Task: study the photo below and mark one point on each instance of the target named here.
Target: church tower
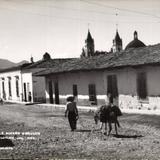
(88, 50)
(117, 43)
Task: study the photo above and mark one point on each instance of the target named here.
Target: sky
(59, 27)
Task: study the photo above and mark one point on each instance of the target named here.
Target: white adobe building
(18, 84)
(10, 84)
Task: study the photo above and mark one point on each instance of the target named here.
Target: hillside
(4, 63)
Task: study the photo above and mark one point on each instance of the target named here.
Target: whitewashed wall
(12, 75)
(81, 79)
(37, 84)
(127, 86)
(27, 78)
(39, 89)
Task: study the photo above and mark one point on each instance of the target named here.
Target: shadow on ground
(128, 136)
(49, 115)
(88, 130)
(83, 130)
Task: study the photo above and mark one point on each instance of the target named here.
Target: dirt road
(30, 132)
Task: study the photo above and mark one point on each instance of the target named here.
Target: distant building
(97, 53)
(18, 84)
(46, 56)
(136, 43)
(11, 84)
(117, 43)
(88, 50)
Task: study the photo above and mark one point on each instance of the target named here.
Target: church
(89, 49)
(131, 75)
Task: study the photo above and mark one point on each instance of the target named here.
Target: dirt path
(31, 115)
(139, 137)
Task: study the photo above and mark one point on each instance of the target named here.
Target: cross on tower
(116, 21)
(88, 25)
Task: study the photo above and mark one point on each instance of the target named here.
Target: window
(92, 93)
(9, 86)
(75, 90)
(3, 89)
(142, 85)
(17, 86)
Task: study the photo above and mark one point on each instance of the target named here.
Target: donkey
(110, 115)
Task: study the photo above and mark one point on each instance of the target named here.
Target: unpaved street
(31, 131)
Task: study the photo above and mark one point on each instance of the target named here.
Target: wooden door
(112, 87)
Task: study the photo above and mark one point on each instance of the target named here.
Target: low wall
(133, 102)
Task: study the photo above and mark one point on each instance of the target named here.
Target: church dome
(46, 56)
(136, 43)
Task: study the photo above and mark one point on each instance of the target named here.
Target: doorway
(112, 87)
(56, 91)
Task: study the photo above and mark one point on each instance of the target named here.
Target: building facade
(131, 76)
(130, 87)
(17, 84)
(10, 85)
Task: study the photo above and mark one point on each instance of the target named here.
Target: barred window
(17, 86)
(75, 90)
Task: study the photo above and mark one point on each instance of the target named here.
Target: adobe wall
(12, 75)
(81, 79)
(127, 87)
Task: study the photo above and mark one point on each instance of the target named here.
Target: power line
(69, 18)
(63, 8)
(42, 15)
(121, 9)
(89, 11)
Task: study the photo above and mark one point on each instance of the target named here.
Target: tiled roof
(48, 63)
(149, 55)
(15, 68)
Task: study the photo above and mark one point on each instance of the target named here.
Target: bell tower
(117, 43)
(88, 49)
